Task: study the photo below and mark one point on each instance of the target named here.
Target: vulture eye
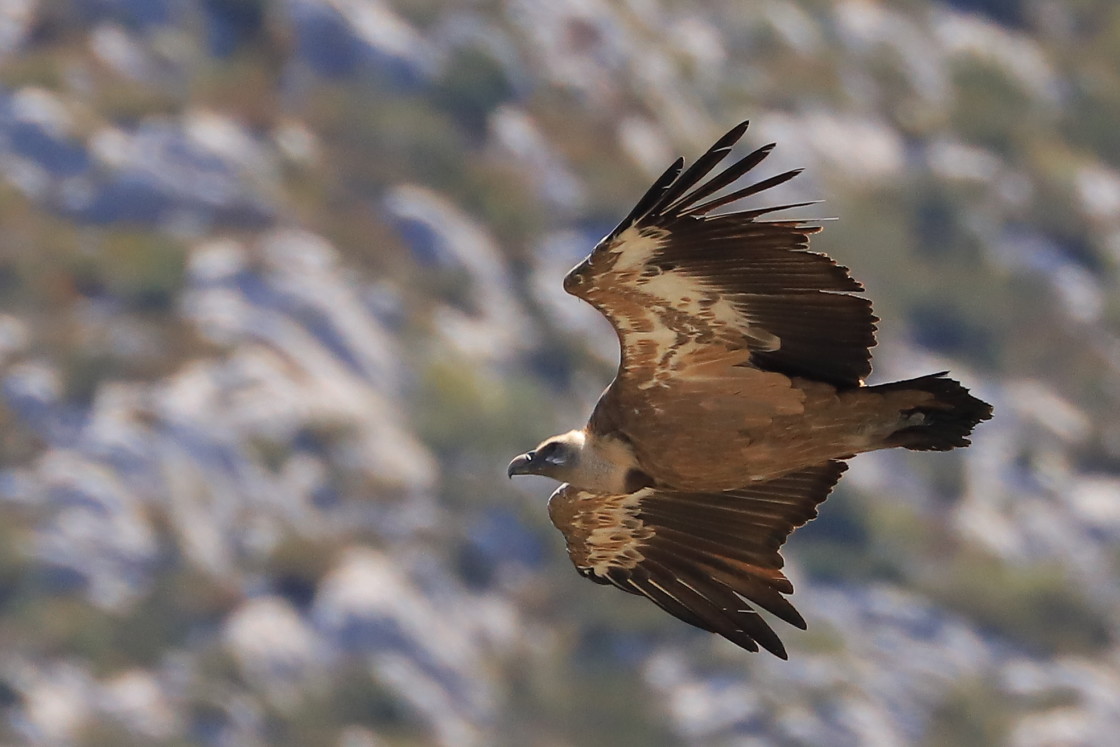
(550, 453)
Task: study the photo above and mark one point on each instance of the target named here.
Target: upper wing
(671, 273)
(698, 555)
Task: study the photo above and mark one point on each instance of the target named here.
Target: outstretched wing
(699, 556)
(672, 277)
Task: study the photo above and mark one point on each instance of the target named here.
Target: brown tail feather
(943, 424)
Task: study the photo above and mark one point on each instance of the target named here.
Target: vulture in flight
(739, 394)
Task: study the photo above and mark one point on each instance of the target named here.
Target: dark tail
(942, 424)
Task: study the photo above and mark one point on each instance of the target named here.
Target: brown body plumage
(740, 389)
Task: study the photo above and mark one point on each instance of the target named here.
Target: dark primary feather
(703, 165)
(741, 194)
(704, 558)
(653, 196)
(728, 175)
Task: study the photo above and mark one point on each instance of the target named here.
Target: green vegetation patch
(1037, 605)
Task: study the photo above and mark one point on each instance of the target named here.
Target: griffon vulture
(739, 395)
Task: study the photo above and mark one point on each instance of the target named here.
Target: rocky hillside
(280, 297)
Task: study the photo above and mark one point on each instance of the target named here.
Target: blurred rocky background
(280, 297)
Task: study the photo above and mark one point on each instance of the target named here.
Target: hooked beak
(522, 465)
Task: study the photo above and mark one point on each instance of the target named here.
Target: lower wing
(704, 558)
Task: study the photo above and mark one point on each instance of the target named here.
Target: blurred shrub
(859, 538)
(990, 109)
(245, 86)
(457, 411)
(354, 698)
(471, 86)
(974, 713)
(126, 102)
(297, 564)
(235, 23)
(373, 145)
(142, 269)
(1007, 12)
(1036, 606)
(602, 710)
(1091, 114)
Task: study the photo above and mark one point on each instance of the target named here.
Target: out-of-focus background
(280, 297)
